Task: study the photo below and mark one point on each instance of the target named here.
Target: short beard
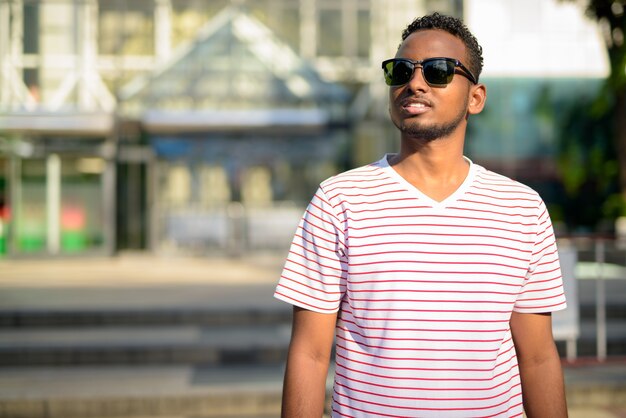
(433, 132)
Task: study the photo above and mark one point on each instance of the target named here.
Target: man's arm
(304, 388)
(543, 390)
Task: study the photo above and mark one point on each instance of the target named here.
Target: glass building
(200, 126)
(180, 125)
(240, 128)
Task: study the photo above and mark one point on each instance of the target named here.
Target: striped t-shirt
(424, 289)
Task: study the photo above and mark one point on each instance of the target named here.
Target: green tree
(611, 16)
(609, 107)
(587, 163)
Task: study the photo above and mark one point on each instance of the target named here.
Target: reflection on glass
(31, 209)
(214, 187)
(80, 218)
(82, 225)
(256, 187)
(330, 38)
(4, 206)
(178, 186)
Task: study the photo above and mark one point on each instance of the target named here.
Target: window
(126, 27)
(330, 33)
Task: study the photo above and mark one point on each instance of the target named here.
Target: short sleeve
(543, 288)
(315, 271)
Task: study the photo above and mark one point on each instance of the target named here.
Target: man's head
(454, 27)
(433, 79)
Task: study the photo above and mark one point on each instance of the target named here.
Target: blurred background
(156, 156)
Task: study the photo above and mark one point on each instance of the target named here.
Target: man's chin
(424, 134)
(429, 133)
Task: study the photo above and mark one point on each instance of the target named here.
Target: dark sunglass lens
(398, 72)
(438, 72)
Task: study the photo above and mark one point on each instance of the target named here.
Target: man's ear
(477, 99)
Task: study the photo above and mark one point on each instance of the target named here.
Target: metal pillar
(109, 178)
(308, 29)
(380, 48)
(13, 92)
(600, 302)
(17, 31)
(162, 29)
(5, 32)
(84, 79)
(86, 51)
(349, 22)
(53, 203)
(15, 200)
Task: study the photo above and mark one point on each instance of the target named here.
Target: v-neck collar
(460, 191)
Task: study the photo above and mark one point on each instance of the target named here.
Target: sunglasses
(438, 72)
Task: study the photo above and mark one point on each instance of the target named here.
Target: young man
(435, 276)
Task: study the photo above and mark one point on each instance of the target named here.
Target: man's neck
(436, 168)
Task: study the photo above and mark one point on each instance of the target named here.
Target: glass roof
(234, 64)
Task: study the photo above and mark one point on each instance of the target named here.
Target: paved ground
(142, 281)
(139, 280)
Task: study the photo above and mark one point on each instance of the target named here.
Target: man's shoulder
(355, 177)
(499, 183)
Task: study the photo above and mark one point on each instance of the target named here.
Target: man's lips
(415, 106)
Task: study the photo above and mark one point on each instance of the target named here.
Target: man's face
(423, 111)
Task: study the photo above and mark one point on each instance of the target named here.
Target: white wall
(536, 38)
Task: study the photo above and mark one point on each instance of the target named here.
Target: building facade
(146, 124)
(195, 126)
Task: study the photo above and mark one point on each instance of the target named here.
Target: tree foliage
(611, 16)
(593, 146)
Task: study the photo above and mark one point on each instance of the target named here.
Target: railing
(601, 337)
(587, 262)
(566, 323)
(599, 269)
(232, 230)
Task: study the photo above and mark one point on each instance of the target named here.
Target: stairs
(98, 349)
(138, 363)
(142, 338)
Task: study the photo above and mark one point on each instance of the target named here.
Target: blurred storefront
(56, 177)
(188, 126)
(238, 131)
(57, 144)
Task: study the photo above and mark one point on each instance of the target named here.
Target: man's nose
(417, 81)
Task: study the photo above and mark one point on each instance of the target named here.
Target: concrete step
(257, 344)
(189, 337)
(114, 392)
(79, 318)
(225, 391)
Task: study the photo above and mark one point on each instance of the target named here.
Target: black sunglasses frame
(421, 63)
